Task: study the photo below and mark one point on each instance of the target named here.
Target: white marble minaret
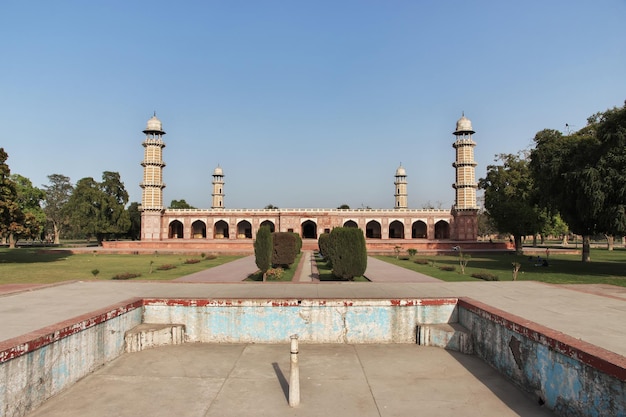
(218, 188)
(152, 184)
(401, 188)
(465, 184)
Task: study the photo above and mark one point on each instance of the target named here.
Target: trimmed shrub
(298, 242)
(263, 247)
(348, 252)
(126, 275)
(485, 276)
(422, 261)
(284, 253)
(192, 261)
(447, 268)
(323, 242)
(165, 267)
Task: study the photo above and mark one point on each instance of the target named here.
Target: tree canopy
(581, 175)
(57, 195)
(510, 198)
(98, 209)
(11, 216)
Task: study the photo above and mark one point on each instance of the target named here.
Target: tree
(270, 207)
(180, 204)
(29, 199)
(134, 215)
(348, 252)
(10, 214)
(581, 175)
(510, 198)
(263, 247)
(343, 207)
(98, 209)
(57, 195)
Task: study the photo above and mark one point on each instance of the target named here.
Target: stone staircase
(149, 335)
(451, 336)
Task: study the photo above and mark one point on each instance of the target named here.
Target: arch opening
(198, 230)
(175, 230)
(220, 230)
(350, 223)
(269, 224)
(309, 230)
(419, 230)
(373, 230)
(442, 230)
(244, 230)
(396, 230)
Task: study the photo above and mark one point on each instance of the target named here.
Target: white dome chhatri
(400, 172)
(218, 171)
(154, 125)
(464, 125)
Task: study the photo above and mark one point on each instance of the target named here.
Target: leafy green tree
(11, 216)
(348, 253)
(510, 197)
(270, 207)
(98, 209)
(180, 204)
(343, 207)
(263, 247)
(57, 195)
(134, 215)
(581, 175)
(29, 199)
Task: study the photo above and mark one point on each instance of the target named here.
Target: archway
(268, 224)
(309, 230)
(175, 230)
(350, 223)
(198, 230)
(396, 230)
(220, 230)
(442, 230)
(373, 230)
(244, 230)
(419, 230)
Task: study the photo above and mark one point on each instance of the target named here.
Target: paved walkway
(306, 271)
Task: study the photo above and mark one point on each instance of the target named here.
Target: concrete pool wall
(571, 377)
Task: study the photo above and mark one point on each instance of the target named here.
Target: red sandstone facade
(221, 229)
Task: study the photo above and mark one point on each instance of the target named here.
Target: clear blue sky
(302, 103)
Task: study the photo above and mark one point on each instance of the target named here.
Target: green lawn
(607, 267)
(24, 265)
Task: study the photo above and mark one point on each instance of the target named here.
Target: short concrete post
(294, 374)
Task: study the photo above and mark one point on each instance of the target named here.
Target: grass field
(607, 267)
(32, 266)
(18, 266)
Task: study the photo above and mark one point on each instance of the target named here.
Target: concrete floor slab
(194, 380)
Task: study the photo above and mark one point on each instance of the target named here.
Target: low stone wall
(36, 366)
(315, 321)
(569, 376)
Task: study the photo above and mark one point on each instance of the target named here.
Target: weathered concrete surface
(195, 380)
